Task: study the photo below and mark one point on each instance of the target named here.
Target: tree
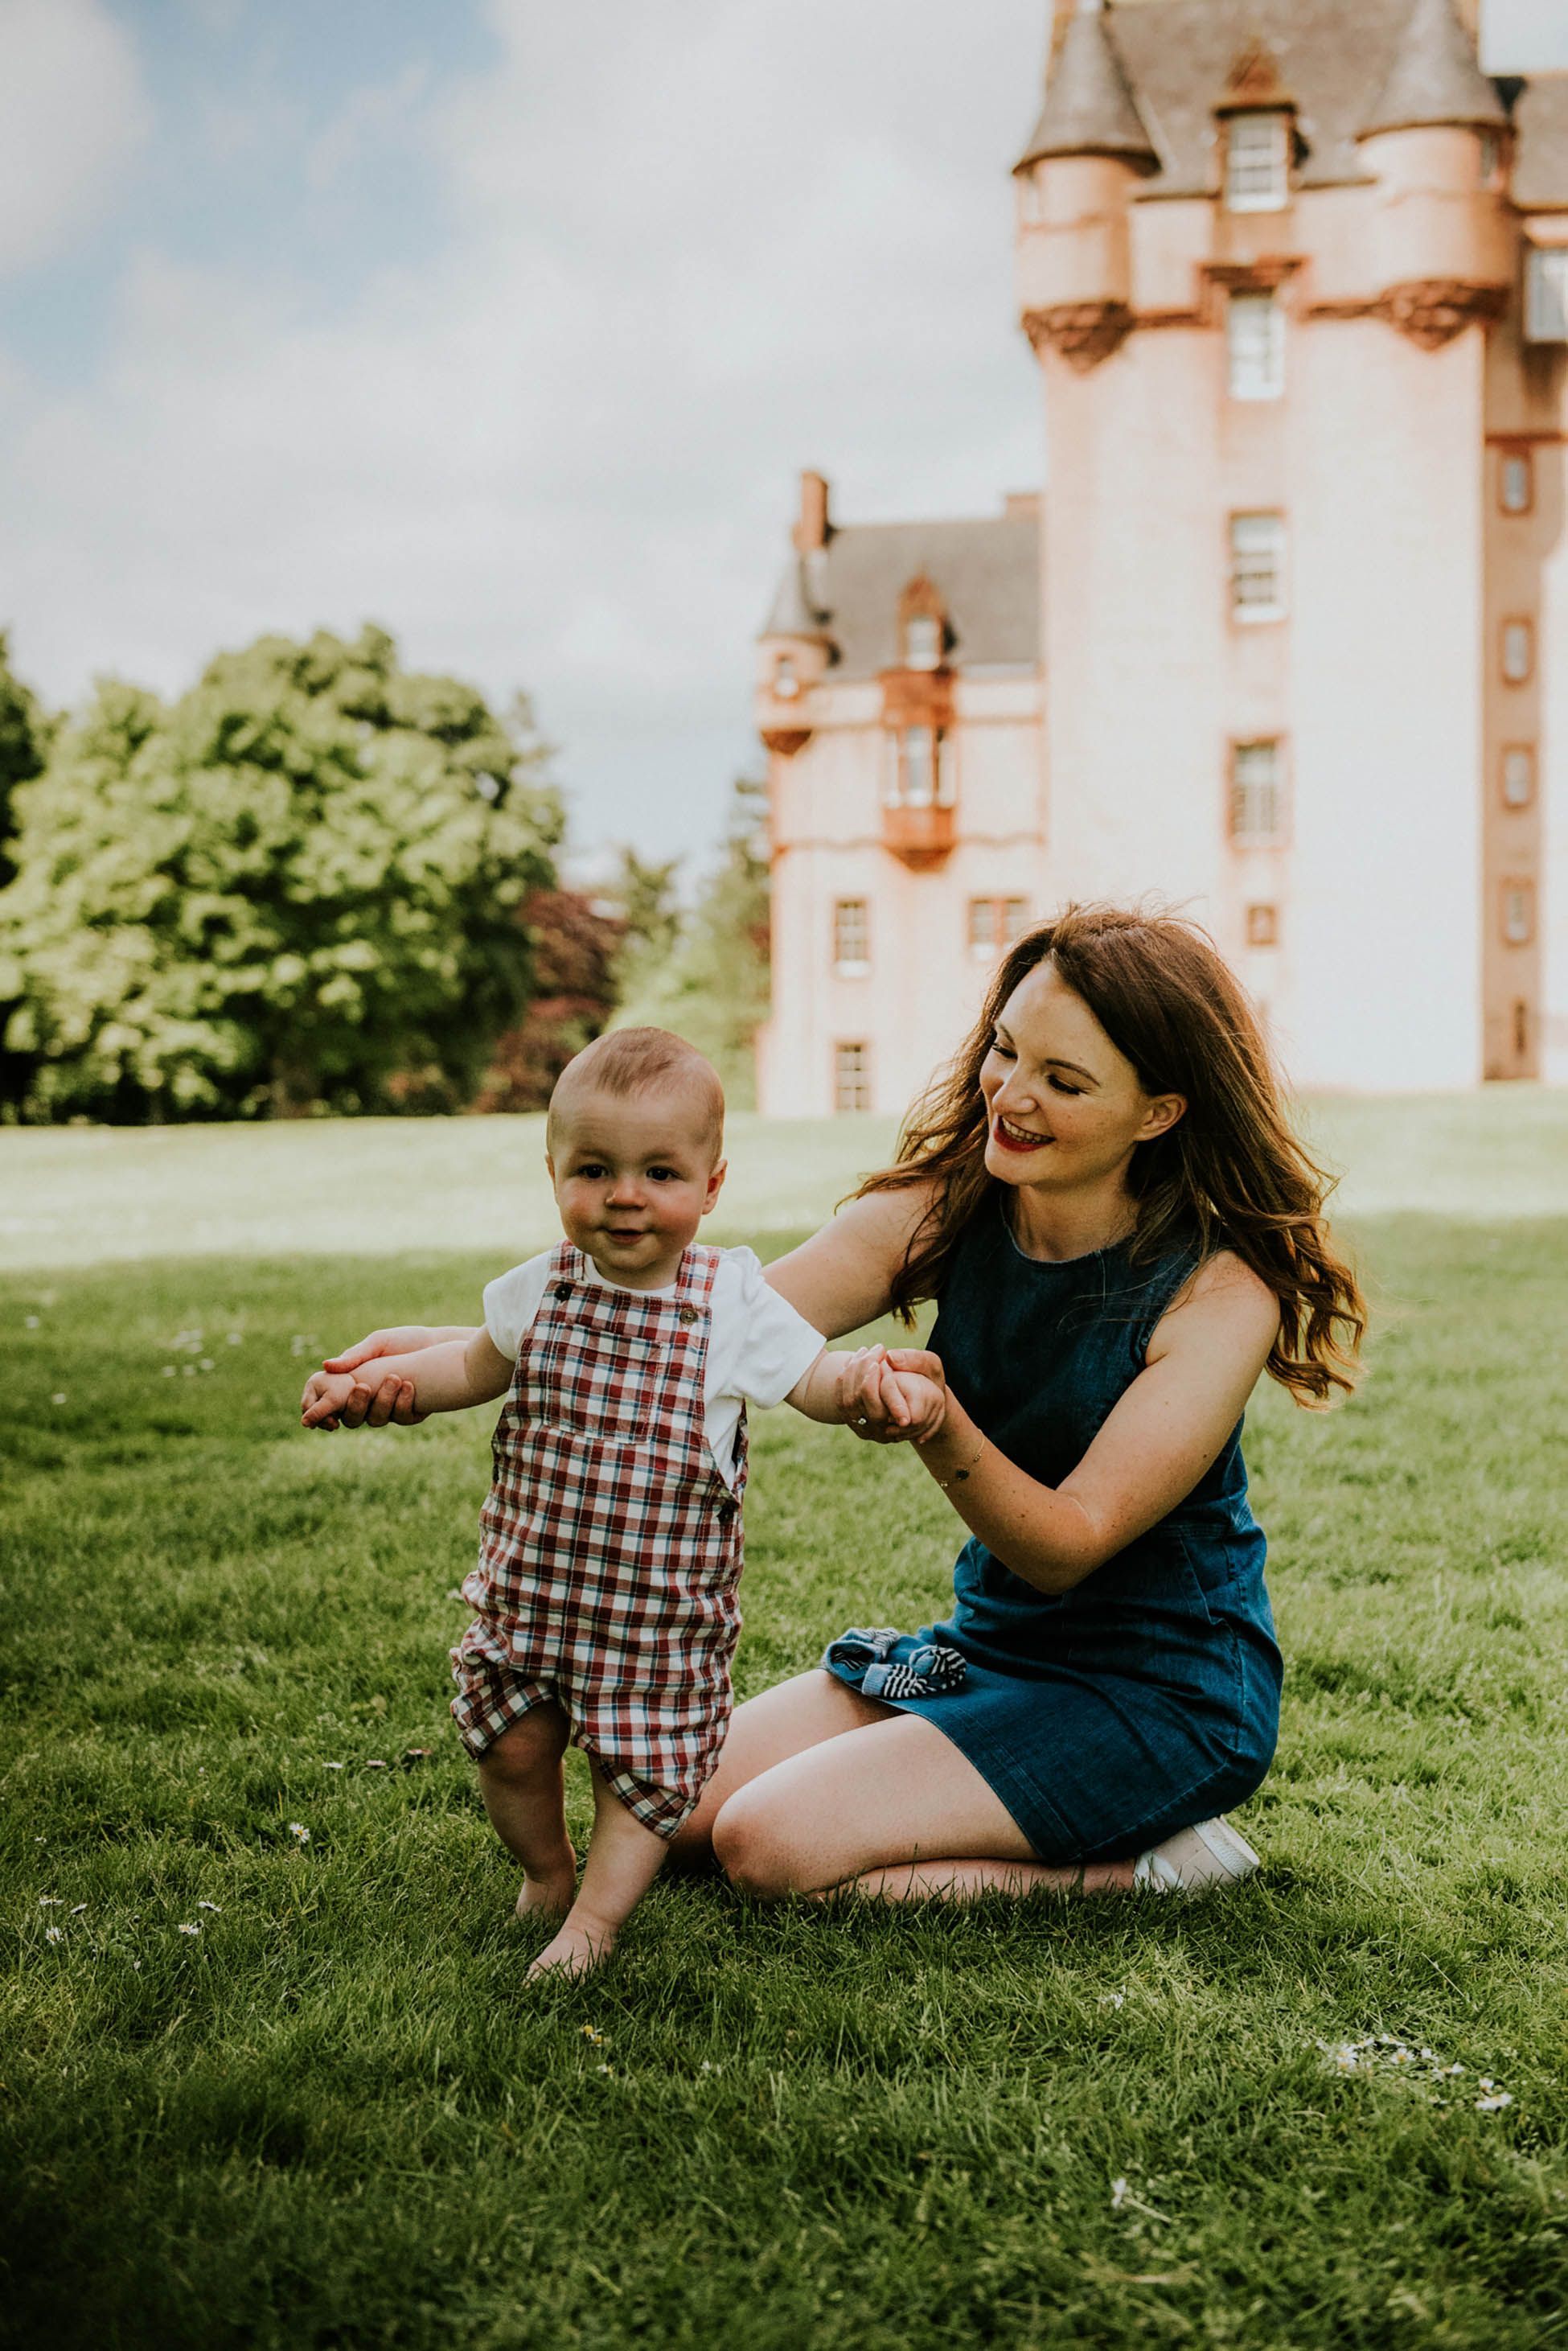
(297, 885)
(711, 984)
(25, 734)
(576, 945)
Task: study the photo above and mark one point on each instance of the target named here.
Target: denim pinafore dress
(1146, 1698)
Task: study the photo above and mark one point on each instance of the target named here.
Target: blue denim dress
(1147, 1698)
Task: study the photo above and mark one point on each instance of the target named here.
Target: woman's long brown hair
(1229, 1175)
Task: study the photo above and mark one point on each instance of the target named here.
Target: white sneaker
(1195, 1860)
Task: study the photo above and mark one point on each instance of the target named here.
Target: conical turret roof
(1089, 108)
(795, 612)
(1435, 77)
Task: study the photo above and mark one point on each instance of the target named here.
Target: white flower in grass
(59, 1398)
(49, 1901)
(591, 2033)
(1493, 2105)
(54, 1934)
(77, 1908)
(191, 1929)
(298, 1831)
(206, 1364)
(1120, 2194)
(170, 1370)
(332, 1766)
(33, 1322)
(208, 1905)
(236, 1338)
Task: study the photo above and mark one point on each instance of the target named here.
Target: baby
(610, 1550)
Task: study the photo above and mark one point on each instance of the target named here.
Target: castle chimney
(812, 530)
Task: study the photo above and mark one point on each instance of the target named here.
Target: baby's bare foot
(547, 1892)
(577, 1948)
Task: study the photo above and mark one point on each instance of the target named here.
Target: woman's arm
(1203, 1364)
(842, 1278)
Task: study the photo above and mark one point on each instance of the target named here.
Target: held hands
(893, 1395)
(332, 1401)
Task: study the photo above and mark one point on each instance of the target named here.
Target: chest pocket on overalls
(617, 1389)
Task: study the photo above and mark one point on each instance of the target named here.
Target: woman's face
(1066, 1107)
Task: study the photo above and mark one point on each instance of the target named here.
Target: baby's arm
(446, 1377)
(915, 1404)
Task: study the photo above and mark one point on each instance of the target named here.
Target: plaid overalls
(610, 1546)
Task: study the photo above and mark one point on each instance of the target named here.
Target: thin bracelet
(959, 1477)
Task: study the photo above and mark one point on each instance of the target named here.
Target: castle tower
(1260, 298)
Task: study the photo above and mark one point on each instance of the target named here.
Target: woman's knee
(759, 1848)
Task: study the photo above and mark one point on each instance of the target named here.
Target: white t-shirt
(758, 1346)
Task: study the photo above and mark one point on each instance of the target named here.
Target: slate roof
(1541, 117)
(1088, 108)
(987, 572)
(1338, 59)
(1435, 77)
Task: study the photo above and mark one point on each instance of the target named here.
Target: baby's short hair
(644, 1061)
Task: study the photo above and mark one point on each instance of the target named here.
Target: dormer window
(922, 626)
(786, 684)
(1258, 164)
(922, 642)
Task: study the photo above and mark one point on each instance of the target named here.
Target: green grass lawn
(335, 2116)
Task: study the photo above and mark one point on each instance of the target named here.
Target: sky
(508, 325)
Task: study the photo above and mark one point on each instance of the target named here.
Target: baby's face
(634, 1176)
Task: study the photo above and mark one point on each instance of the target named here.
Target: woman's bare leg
(889, 1807)
(783, 1721)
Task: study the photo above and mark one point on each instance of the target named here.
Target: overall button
(563, 1289)
(726, 1512)
(688, 1315)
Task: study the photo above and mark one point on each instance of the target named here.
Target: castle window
(995, 923)
(1518, 650)
(1258, 566)
(1256, 797)
(1518, 913)
(920, 771)
(1518, 775)
(1263, 926)
(1258, 164)
(851, 1077)
(1516, 482)
(1255, 347)
(851, 937)
(1546, 295)
(786, 684)
(922, 642)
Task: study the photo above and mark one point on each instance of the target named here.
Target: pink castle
(1287, 639)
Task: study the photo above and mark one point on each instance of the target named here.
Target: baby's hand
(923, 1402)
(326, 1394)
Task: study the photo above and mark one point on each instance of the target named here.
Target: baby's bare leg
(520, 1779)
(623, 1860)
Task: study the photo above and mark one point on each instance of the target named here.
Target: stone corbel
(786, 740)
(1433, 310)
(1084, 333)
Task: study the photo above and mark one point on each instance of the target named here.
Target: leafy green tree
(25, 733)
(576, 945)
(711, 985)
(296, 886)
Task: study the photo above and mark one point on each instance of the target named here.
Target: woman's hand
(877, 1407)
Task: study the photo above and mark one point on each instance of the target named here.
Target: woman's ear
(1164, 1111)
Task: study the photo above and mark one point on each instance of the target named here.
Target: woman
(1121, 1234)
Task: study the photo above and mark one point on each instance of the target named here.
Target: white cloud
(691, 251)
(73, 114)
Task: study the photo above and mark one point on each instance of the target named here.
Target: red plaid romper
(610, 1546)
